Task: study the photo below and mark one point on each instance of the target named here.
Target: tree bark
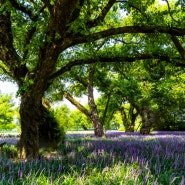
(98, 127)
(129, 120)
(149, 118)
(28, 146)
(39, 128)
(133, 117)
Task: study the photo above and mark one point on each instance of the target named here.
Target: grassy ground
(120, 159)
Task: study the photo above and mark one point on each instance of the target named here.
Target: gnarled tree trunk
(39, 128)
(28, 146)
(149, 118)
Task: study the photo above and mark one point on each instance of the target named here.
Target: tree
(36, 38)
(92, 113)
(6, 112)
(63, 116)
(80, 120)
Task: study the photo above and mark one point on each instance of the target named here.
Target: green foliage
(79, 120)
(6, 112)
(62, 115)
(71, 120)
(9, 151)
(50, 129)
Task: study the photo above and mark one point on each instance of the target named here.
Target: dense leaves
(6, 112)
(42, 41)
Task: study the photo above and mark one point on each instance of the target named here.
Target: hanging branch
(71, 64)
(169, 10)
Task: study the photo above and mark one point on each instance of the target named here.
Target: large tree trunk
(28, 146)
(39, 128)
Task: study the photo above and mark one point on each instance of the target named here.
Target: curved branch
(33, 17)
(8, 53)
(178, 46)
(77, 39)
(102, 15)
(21, 8)
(71, 64)
(79, 79)
(169, 10)
(76, 11)
(136, 8)
(31, 32)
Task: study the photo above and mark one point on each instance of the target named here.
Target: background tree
(6, 112)
(80, 121)
(63, 116)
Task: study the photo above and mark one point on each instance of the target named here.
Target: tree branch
(77, 104)
(8, 54)
(138, 9)
(102, 15)
(5, 71)
(71, 64)
(77, 39)
(178, 46)
(31, 32)
(79, 79)
(76, 11)
(21, 8)
(169, 10)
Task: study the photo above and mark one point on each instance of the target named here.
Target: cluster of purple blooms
(158, 158)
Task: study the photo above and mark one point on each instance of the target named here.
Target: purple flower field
(121, 158)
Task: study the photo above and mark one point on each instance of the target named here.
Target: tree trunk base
(145, 131)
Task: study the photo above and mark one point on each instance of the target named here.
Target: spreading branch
(80, 107)
(178, 46)
(76, 11)
(71, 64)
(77, 39)
(8, 53)
(23, 9)
(136, 8)
(31, 32)
(5, 71)
(102, 15)
(34, 18)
